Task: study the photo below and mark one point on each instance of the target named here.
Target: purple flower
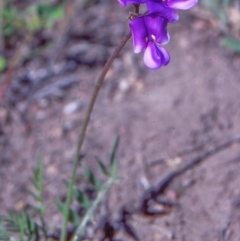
(159, 7)
(166, 8)
(149, 31)
(125, 2)
(181, 4)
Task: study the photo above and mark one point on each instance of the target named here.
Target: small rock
(174, 162)
(52, 170)
(71, 107)
(124, 85)
(145, 183)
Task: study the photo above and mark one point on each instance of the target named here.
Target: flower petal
(181, 4)
(160, 8)
(125, 2)
(139, 34)
(155, 56)
(157, 28)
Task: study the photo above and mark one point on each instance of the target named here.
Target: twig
(154, 193)
(83, 131)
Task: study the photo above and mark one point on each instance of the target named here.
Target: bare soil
(164, 118)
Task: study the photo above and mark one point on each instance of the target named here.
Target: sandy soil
(165, 118)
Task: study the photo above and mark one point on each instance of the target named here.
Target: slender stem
(83, 132)
(89, 214)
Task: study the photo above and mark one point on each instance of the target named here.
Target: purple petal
(155, 56)
(139, 34)
(160, 8)
(182, 4)
(125, 2)
(157, 29)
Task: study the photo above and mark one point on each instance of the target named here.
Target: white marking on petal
(138, 49)
(151, 61)
(153, 37)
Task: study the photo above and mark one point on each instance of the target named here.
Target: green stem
(83, 132)
(89, 214)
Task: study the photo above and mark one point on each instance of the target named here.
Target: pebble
(52, 170)
(145, 183)
(71, 107)
(124, 85)
(174, 162)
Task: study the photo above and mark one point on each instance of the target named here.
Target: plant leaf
(113, 157)
(103, 167)
(232, 44)
(73, 217)
(92, 179)
(3, 63)
(82, 198)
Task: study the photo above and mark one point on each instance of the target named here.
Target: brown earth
(164, 118)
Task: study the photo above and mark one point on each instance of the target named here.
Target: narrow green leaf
(102, 167)
(36, 232)
(114, 150)
(66, 183)
(113, 157)
(232, 44)
(22, 225)
(30, 223)
(37, 210)
(34, 182)
(3, 63)
(73, 217)
(82, 198)
(35, 196)
(60, 206)
(4, 235)
(92, 179)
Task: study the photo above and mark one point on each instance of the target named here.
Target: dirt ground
(164, 118)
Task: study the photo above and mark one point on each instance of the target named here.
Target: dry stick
(83, 131)
(154, 193)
